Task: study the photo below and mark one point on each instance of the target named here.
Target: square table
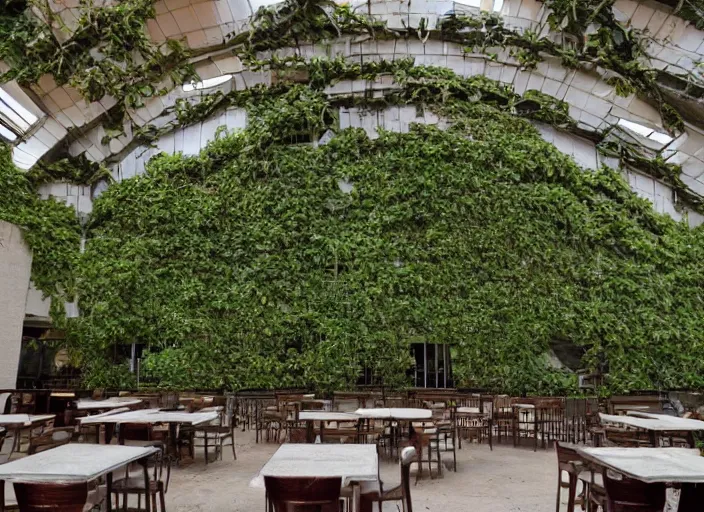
(650, 465)
(656, 424)
(353, 463)
(75, 463)
(88, 404)
(404, 414)
(150, 416)
(23, 420)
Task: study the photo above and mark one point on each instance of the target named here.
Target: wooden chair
(216, 435)
(629, 495)
(503, 417)
(303, 494)
(627, 437)
(375, 492)
(141, 485)
(50, 438)
(578, 469)
(51, 497)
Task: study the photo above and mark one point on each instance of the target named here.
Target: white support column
(15, 270)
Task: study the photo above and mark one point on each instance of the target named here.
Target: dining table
(658, 425)
(353, 463)
(89, 404)
(15, 423)
(150, 417)
(681, 467)
(75, 463)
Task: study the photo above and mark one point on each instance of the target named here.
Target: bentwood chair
(215, 436)
(629, 495)
(294, 494)
(576, 468)
(51, 497)
(374, 492)
(150, 487)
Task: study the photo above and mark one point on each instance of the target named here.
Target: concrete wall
(15, 269)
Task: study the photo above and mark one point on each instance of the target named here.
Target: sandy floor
(503, 480)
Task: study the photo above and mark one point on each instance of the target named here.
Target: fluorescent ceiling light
(206, 84)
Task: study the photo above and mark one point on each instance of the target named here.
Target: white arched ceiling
(674, 45)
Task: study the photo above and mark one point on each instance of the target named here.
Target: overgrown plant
(250, 265)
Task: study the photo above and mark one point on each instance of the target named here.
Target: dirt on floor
(506, 479)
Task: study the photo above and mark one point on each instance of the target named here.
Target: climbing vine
(107, 53)
(250, 265)
(50, 229)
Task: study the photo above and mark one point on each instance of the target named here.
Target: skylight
(256, 4)
(206, 84)
(15, 119)
(645, 131)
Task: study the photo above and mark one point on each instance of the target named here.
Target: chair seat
(372, 491)
(586, 476)
(135, 484)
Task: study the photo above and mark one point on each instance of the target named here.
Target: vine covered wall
(264, 263)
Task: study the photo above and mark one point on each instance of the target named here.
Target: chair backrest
(567, 458)
(627, 437)
(51, 497)
(408, 456)
(135, 432)
(629, 495)
(303, 494)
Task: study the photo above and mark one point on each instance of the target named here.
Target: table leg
(173, 441)
(310, 432)
(147, 497)
(109, 431)
(2, 495)
(322, 432)
(108, 483)
(356, 496)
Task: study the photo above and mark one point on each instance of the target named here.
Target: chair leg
(205, 448)
(234, 454)
(162, 501)
(559, 489)
(573, 492)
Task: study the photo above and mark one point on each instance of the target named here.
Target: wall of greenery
(248, 266)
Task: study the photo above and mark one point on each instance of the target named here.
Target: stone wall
(15, 269)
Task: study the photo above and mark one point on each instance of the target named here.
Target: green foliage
(109, 53)
(77, 170)
(49, 228)
(248, 266)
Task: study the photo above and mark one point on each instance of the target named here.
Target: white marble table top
(655, 422)
(650, 464)
(109, 403)
(24, 420)
(153, 416)
(351, 462)
(395, 413)
(72, 463)
(523, 406)
(327, 416)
